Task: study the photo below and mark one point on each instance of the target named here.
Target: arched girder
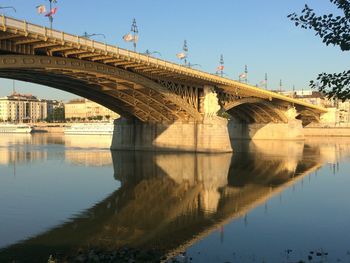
(242, 115)
(56, 63)
(236, 103)
(258, 116)
(128, 98)
(265, 106)
(307, 116)
(273, 114)
(68, 84)
(248, 112)
(78, 89)
(111, 87)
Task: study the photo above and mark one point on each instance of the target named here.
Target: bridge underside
(124, 92)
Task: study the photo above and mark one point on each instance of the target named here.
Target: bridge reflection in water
(169, 201)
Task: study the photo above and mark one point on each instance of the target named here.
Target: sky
(255, 33)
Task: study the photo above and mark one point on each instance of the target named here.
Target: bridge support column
(292, 130)
(211, 135)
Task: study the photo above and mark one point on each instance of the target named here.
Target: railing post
(25, 28)
(78, 40)
(3, 19)
(45, 33)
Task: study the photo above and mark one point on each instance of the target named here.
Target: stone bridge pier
(208, 135)
(290, 128)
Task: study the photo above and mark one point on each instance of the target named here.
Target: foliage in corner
(333, 30)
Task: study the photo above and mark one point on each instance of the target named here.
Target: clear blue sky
(255, 33)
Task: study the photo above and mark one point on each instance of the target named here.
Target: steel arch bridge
(129, 83)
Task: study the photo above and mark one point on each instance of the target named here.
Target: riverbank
(48, 127)
(327, 131)
(309, 131)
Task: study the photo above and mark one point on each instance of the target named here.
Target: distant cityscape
(27, 108)
(338, 111)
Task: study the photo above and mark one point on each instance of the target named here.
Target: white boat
(90, 128)
(15, 128)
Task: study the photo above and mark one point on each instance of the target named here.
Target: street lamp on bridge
(86, 35)
(132, 36)
(185, 49)
(135, 32)
(244, 75)
(220, 68)
(183, 55)
(148, 52)
(193, 65)
(51, 12)
(8, 7)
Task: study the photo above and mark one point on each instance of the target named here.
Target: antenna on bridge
(266, 81)
(280, 85)
(293, 90)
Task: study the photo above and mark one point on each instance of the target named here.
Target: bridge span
(164, 105)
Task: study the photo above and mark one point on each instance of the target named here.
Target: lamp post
(148, 52)
(135, 32)
(86, 35)
(8, 7)
(193, 65)
(221, 67)
(50, 14)
(185, 49)
(280, 85)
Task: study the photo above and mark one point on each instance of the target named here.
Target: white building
(22, 108)
(84, 109)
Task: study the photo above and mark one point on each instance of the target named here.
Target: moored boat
(90, 128)
(15, 128)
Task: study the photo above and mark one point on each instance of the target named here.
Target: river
(269, 201)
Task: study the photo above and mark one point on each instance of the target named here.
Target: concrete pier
(292, 130)
(209, 136)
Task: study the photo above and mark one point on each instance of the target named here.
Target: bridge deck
(31, 39)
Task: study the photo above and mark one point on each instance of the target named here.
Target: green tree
(333, 30)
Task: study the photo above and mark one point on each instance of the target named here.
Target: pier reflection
(169, 201)
(77, 150)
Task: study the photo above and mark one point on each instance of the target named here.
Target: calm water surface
(269, 201)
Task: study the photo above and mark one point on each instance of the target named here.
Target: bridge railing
(77, 40)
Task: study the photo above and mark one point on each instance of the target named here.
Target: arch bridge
(157, 96)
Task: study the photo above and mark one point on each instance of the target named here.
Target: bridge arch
(251, 109)
(125, 92)
(308, 116)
